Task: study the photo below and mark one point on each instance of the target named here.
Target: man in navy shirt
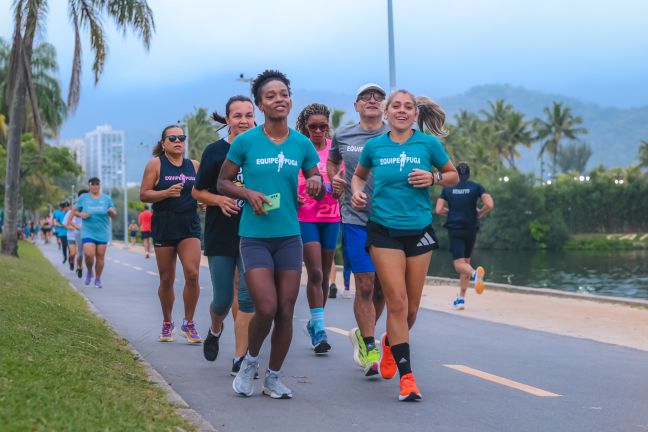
(459, 205)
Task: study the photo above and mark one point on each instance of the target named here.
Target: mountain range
(614, 133)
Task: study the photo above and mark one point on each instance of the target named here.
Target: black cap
(94, 180)
(464, 170)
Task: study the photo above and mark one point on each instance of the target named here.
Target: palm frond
(74, 89)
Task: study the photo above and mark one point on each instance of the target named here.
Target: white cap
(370, 86)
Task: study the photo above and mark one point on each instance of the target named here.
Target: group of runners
(275, 197)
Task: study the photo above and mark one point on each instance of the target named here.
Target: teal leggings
(221, 269)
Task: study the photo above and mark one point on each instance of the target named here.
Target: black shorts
(461, 242)
(170, 228)
(133, 233)
(413, 242)
(146, 234)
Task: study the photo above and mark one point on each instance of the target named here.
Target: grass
(61, 367)
(601, 242)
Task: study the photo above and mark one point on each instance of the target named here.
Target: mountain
(142, 113)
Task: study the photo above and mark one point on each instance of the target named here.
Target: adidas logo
(403, 360)
(426, 240)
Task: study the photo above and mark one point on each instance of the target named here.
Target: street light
(392, 60)
(185, 126)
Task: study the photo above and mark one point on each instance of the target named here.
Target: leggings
(64, 246)
(221, 269)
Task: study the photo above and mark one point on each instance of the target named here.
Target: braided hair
(265, 77)
(307, 112)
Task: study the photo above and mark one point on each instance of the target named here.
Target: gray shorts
(278, 253)
(76, 239)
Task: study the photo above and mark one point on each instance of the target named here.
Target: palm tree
(560, 123)
(514, 132)
(29, 18)
(336, 118)
(573, 157)
(48, 90)
(201, 130)
(643, 154)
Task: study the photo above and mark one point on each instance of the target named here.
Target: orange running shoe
(479, 280)
(409, 391)
(387, 366)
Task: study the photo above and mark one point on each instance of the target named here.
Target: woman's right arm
(226, 186)
(151, 175)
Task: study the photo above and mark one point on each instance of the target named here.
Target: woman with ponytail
(400, 238)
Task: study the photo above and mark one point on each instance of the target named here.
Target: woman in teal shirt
(271, 156)
(400, 238)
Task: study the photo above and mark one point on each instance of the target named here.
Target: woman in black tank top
(167, 183)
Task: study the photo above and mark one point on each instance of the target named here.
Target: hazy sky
(592, 49)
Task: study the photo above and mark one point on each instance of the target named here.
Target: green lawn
(61, 367)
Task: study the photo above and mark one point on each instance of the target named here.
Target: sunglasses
(366, 96)
(174, 138)
(319, 127)
(94, 184)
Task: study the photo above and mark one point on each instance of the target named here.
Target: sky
(590, 49)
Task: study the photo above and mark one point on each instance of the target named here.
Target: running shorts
(276, 253)
(354, 239)
(324, 233)
(411, 242)
(461, 242)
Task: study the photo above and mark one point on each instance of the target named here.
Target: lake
(612, 273)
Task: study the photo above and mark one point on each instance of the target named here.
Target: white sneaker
(347, 294)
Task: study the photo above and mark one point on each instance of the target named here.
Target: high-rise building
(104, 156)
(77, 148)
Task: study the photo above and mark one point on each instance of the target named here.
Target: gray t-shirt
(348, 142)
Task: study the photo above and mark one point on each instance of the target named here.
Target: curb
(182, 407)
(515, 289)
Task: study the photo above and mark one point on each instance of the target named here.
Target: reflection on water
(617, 273)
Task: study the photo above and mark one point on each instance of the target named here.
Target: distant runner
(144, 219)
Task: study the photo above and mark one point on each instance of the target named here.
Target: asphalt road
(588, 386)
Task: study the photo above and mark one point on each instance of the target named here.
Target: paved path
(538, 381)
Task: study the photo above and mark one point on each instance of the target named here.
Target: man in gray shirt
(347, 145)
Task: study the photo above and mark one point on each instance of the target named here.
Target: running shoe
(71, 265)
(409, 391)
(210, 345)
(373, 361)
(243, 384)
(387, 365)
(332, 291)
(98, 283)
(168, 328)
(320, 343)
(189, 331)
(88, 278)
(79, 273)
(274, 387)
(236, 367)
(147, 255)
(347, 294)
(459, 303)
(359, 348)
(479, 280)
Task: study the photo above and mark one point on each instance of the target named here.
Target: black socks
(369, 342)
(401, 353)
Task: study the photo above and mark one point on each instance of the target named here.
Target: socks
(251, 358)
(370, 342)
(401, 353)
(317, 319)
(220, 332)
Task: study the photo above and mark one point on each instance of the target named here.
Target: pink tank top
(327, 210)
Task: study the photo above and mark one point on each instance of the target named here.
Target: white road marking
(503, 381)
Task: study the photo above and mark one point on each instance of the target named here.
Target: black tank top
(171, 175)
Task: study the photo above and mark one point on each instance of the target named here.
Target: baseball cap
(94, 180)
(370, 86)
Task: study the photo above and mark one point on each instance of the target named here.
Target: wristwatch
(439, 178)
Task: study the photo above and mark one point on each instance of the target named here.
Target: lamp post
(392, 60)
(185, 126)
(125, 186)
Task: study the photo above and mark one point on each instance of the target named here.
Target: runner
(46, 228)
(271, 156)
(144, 220)
(95, 209)
(459, 205)
(75, 244)
(133, 227)
(60, 230)
(400, 237)
(221, 235)
(348, 142)
(319, 222)
(167, 182)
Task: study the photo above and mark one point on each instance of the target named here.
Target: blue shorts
(354, 239)
(85, 240)
(324, 233)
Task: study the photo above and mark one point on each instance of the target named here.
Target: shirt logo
(401, 160)
(181, 178)
(460, 191)
(280, 161)
(353, 148)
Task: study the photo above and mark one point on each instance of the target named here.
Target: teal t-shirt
(396, 203)
(59, 216)
(272, 168)
(97, 225)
